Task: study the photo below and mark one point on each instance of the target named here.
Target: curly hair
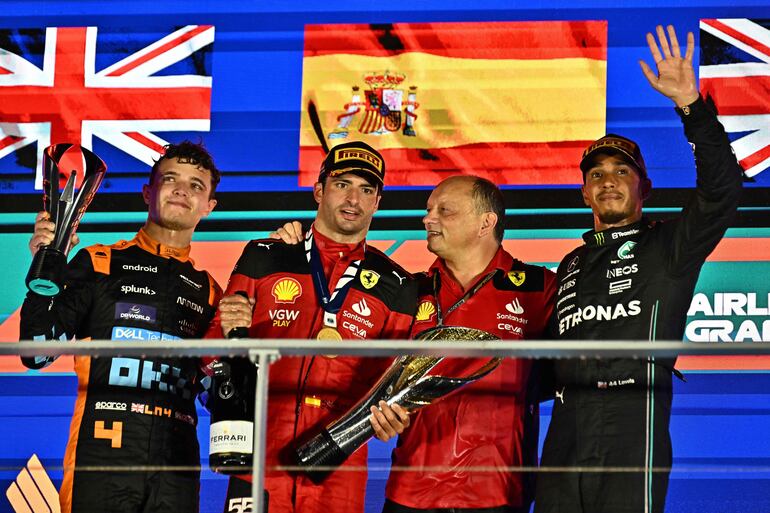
(190, 153)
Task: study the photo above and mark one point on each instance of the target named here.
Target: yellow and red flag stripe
(513, 101)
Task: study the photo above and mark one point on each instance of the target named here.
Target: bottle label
(231, 436)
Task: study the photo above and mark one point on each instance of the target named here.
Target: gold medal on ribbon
(328, 333)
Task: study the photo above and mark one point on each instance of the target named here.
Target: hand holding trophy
(65, 209)
(410, 381)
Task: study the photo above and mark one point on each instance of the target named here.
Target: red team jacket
(491, 422)
(306, 393)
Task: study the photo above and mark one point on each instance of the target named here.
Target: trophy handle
(46, 272)
(429, 389)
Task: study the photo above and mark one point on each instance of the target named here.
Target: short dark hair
(487, 197)
(192, 153)
(374, 183)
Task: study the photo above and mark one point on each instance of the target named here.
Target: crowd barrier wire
(265, 351)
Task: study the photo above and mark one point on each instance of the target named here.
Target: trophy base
(321, 452)
(45, 273)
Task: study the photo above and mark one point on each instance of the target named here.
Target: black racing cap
(356, 157)
(612, 144)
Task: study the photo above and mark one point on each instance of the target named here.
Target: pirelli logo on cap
(344, 154)
(611, 142)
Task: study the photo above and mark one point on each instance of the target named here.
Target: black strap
(466, 297)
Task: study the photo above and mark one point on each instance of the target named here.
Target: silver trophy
(66, 208)
(408, 383)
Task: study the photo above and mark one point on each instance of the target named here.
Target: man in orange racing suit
(135, 411)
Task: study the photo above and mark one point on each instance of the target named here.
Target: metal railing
(265, 351)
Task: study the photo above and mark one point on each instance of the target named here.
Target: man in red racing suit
(492, 422)
(377, 299)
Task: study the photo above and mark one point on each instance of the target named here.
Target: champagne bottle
(231, 441)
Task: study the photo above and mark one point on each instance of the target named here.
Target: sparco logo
(189, 304)
(139, 267)
(622, 271)
(133, 289)
(599, 313)
(110, 405)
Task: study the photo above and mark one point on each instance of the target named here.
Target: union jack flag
(64, 98)
(735, 74)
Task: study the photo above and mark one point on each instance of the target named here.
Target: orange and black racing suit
(129, 411)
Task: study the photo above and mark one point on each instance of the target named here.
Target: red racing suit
(307, 393)
(492, 422)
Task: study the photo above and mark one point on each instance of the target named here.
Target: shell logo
(286, 290)
(425, 311)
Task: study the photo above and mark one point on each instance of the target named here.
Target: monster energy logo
(599, 238)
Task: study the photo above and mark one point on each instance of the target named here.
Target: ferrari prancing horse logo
(369, 278)
(517, 277)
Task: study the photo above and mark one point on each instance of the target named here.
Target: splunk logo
(133, 289)
(599, 313)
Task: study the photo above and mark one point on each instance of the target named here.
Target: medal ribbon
(330, 303)
(466, 297)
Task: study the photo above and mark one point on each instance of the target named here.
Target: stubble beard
(175, 223)
(613, 217)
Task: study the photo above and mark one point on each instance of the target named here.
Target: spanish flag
(515, 102)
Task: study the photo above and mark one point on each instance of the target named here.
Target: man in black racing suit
(135, 411)
(633, 279)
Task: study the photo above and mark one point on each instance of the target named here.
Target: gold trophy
(408, 382)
